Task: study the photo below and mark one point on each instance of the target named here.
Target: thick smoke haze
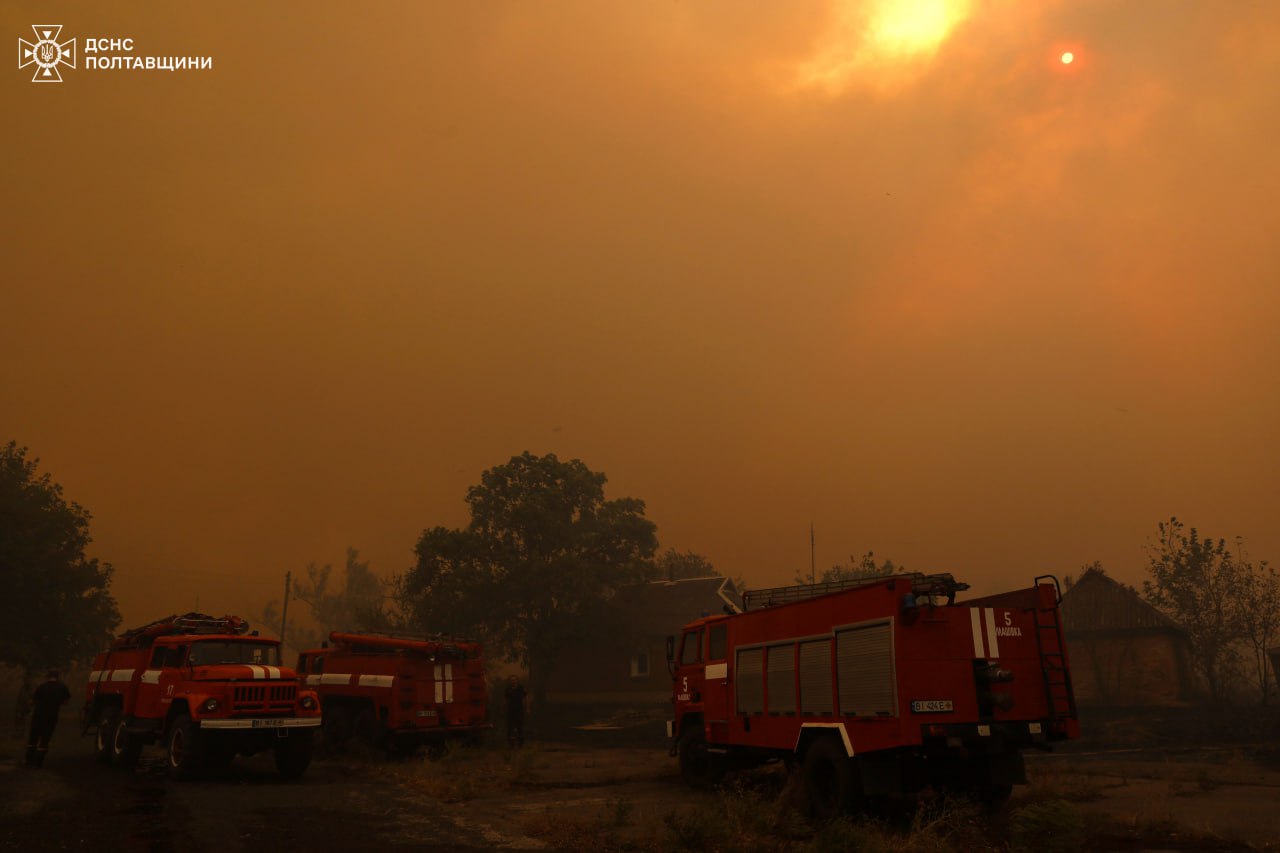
(912, 279)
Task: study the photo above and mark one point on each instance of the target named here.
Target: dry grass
(462, 773)
(763, 811)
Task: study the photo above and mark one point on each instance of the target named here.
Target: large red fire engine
(876, 686)
(398, 692)
(207, 688)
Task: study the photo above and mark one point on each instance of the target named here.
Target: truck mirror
(671, 648)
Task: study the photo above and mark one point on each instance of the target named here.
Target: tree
(861, 567)
(672, 565)
(358, 605)
(1197, 582)
(542, 552)
(1259, 618)
(57, 608)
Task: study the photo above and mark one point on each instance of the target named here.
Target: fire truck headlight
(209, 705)
(307, 703)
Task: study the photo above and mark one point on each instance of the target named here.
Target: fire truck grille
(264, 698)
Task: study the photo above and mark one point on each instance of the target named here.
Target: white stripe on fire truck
(375, 680)
(259, 672)
(272, 671)
(717, 670)
(844, 734)
(95, 674)
(151, 676)
(335, 678)
(121, 675)
(975, 619)
(992, 642)
(439, 692)
(448, 682)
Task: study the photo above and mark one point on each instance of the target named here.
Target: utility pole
(284, 611)
(813, 563)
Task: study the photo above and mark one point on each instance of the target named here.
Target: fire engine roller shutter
(749, 676)
(864, 667)
(815, 677)
(782, 679)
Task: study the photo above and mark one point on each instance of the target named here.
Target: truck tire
(182, 749)
(828, 779)
(293, 754)
(125, 747)
(366, 727)
(336, 728)
(699, 768)
(993, 795)
(108, 722)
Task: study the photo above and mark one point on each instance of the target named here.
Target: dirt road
(73, 803)
(563, 796)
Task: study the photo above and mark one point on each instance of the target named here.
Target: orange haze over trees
(889, 267)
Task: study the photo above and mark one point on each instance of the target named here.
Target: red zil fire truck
(876, 687)
(206, 688)
(398, 692)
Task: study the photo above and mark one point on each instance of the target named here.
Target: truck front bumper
(260, 723)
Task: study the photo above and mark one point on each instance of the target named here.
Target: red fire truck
(875, 687)
(398, 692)
(207, 688)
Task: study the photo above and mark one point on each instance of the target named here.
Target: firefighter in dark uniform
(46, 703)
(517, 702)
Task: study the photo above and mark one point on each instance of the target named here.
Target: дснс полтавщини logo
(46, 53)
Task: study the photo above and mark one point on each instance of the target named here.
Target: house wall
(602, 673)
(1129, 668)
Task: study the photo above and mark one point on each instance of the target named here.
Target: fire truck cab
(398, 692)
(875, 687)
(207, 689)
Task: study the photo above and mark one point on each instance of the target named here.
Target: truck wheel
(293, 754)
(699, 768)
(108, 722)
(993, 795)
(336, 728)
(366, 726)
(182, 748)
(125, 747)
(828, 779)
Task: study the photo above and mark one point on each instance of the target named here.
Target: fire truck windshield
(212, 652)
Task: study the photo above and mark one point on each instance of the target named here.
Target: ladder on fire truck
(187, 623)
(1051, 644)
(936, 585)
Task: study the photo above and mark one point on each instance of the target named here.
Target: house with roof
(1122, 650)
(629, 666)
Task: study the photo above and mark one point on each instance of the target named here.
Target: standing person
(517, 704)
(46, 703)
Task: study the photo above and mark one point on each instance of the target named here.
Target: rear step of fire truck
(1057, 678)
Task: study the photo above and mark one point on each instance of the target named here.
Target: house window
(640, 665)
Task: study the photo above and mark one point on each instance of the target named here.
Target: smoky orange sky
(889, 267)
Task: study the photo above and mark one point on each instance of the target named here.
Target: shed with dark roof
(1122, 650)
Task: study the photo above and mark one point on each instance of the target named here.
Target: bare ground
(588, 796)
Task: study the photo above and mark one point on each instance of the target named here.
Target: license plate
(426, 713)
(932, 706)
(267, 724)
